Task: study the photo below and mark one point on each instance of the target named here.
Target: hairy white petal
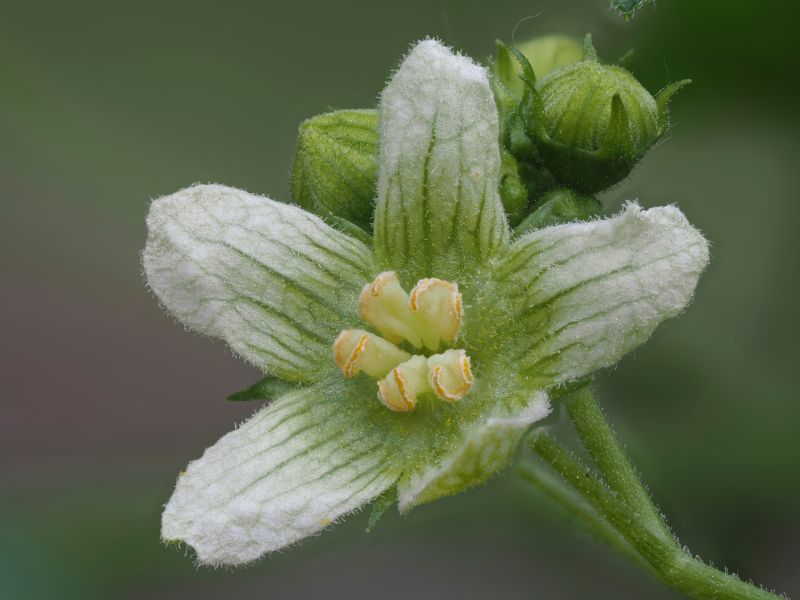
(272, 280)
(438, 210)
(485, 449)
(285, 474)
(590, 292)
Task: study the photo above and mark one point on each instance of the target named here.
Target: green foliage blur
(104, 106)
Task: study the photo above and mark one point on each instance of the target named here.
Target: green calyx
(513, 192)
(266, 389)
(589, 123)
(558, 206)
(336, 167)
(521, 166)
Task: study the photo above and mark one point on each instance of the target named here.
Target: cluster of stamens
(429, 317)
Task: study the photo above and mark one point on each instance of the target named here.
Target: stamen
(356, 350)
(450, 375)
(398, 391)
(437, 308)
(384, 304)
(430, 315)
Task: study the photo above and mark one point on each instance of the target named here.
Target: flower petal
(485, 449)
(438, 210)
(272, 280)
(285, 474)
(587, 293)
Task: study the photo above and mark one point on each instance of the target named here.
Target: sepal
(267, 389)
(513, 192)
(663, 99)
(561, 205)
(545, 53)
(382, 503)
(589, 52)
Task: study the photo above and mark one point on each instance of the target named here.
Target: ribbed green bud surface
(599, 121)
(577, 101)
(336, 165)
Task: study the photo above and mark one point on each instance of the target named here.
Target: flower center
(427, 318)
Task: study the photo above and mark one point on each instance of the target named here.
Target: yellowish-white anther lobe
(400, 389)
(384, 305)
(437, 310)
(356, 350)
(450, 375)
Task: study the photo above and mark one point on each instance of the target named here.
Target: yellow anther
(356, 350)
(431, 315)
(384, 304)
(437, 309)
(398, 391)
(450, 375)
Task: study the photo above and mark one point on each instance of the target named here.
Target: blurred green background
(106, 105)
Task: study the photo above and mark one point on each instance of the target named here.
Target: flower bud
(336, 166)
(593, 122)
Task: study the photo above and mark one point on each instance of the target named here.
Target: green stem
(583, 514)
(675, 567)
(610, 458)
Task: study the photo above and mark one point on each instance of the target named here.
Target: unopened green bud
(336, 166)
(595, 122)
(560, 206)
(545, 54)
(513, 192)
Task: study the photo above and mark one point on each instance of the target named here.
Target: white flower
(280, 286)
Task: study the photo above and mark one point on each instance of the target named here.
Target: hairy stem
(584, 515)
(610, 458)
(674, 566)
